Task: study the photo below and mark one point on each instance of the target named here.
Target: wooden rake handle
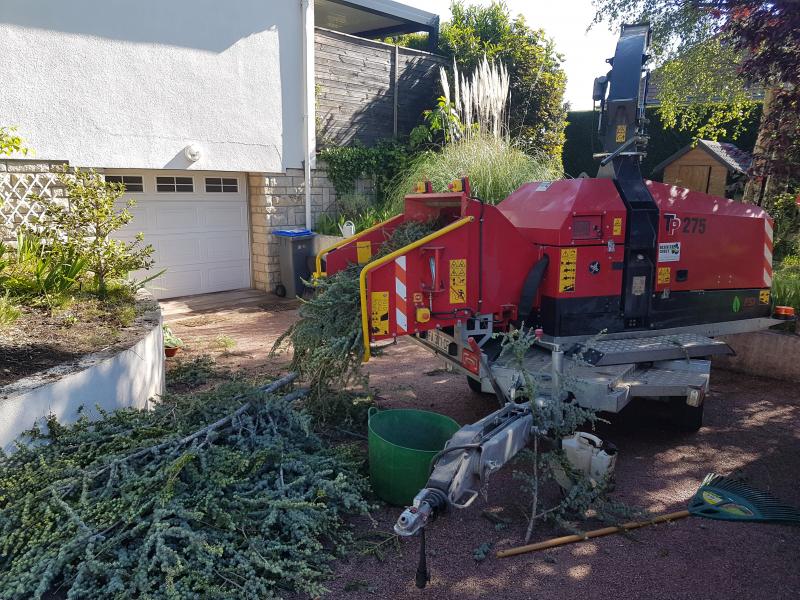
(570, 539)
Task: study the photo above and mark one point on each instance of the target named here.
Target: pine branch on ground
(327, 339)
(225, 494)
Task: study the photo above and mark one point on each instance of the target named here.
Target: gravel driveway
(751, 427)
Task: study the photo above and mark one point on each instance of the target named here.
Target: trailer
(626, 283)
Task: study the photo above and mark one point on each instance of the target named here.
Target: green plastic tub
(402, 443)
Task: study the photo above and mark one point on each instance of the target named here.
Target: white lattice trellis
(18, 193)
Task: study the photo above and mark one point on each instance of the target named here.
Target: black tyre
(474, 385)
(687, 418)
(280, 290)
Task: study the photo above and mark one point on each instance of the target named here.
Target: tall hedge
(582, 142)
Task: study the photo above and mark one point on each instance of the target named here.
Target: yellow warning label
(569, 260)
(363, 252)
(617, 225)
(622, 131)
(664, 274)
(380, 313)
(458, 281)
(763, 297)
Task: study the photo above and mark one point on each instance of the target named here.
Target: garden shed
(716, 168)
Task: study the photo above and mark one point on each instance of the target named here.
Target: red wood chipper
(658, 269)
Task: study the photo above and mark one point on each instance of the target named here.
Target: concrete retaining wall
(763, 353)
(110, 380)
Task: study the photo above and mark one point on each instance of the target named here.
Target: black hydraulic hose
(449, 449)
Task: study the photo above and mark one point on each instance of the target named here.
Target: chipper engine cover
(557, 255)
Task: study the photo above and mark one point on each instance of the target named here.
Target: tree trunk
(756, 188)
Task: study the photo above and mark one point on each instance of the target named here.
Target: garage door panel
(228, 277)
(217, 248)
(182, 281)
(202, 240)
(179, 250)
(176, 218)
(225, 217)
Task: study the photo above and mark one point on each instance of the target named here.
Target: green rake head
(727, 499)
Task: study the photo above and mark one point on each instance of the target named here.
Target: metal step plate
(661, 382)
(662, 347)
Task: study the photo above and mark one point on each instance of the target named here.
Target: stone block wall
(277, 200)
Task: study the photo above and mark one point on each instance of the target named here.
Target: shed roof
(731, 156)
(373, 18)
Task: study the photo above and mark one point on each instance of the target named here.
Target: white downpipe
(309, 136)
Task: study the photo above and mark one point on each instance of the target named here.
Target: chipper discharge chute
(658, 270)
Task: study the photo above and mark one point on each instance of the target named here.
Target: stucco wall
(129, 84)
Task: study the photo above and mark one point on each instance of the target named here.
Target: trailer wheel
(474, 385)
(687, 418)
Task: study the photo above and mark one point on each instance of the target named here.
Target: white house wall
(124, 84)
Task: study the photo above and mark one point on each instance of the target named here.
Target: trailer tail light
(695, 396)
(784, 312)
(470, 361)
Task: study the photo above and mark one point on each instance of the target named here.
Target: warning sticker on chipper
(669, 252)
(380, 313)
(664, 275)
(363, 252)
(458, 281)
(568, 270)
(617, 225)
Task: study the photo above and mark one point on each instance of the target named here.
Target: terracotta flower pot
(170, 352)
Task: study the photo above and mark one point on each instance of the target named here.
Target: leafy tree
(711, 52)
(86, 224)
(537, 115)
(10, 142)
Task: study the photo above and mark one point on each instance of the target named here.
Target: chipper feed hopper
(658, 270)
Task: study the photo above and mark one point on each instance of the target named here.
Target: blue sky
(566, 22)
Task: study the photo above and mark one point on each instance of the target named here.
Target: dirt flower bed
(42, 337)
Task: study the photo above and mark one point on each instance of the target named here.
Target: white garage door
(197, 222)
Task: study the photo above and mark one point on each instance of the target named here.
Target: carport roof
(373, 18)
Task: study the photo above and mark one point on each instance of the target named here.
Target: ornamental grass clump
(226, 494)
(495, 166)
(327, 339)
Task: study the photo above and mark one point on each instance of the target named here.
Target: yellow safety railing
(388, 258)
(318, 272)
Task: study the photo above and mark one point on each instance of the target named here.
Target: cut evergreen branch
(556, 416)
(327, 339)
(227, 494)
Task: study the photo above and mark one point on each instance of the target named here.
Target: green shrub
(380, 163)
(786, 283)
(9, 312)
(170, 339)
(41, 271)
(330, 224)
(786, 214)
(85, 227)
(352, 205)
(495, 168)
